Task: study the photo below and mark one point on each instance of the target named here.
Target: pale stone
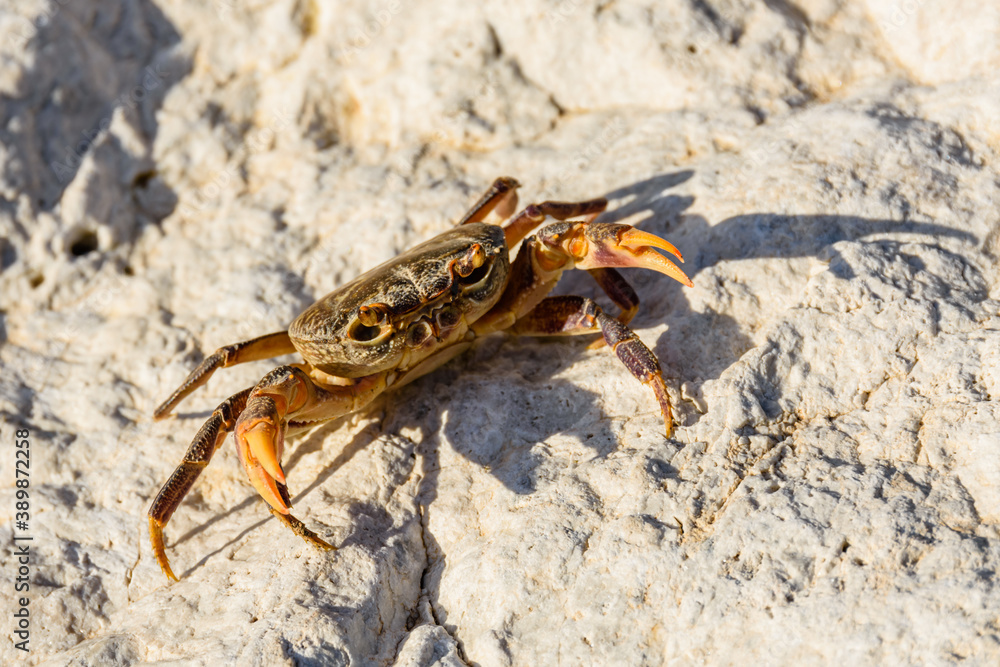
(831, 494)
(938, 41)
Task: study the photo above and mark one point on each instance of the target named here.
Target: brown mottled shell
(413, 285)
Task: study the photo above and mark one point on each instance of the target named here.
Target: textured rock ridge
(176, 176)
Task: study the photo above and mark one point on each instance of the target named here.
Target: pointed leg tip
(597, 344)
(166, 408)
(668, 420)
(302, 531)
(159, 551)
(319, 542)
(660, 390)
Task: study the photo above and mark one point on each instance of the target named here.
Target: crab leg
(597, 247)
(524, 222)
(204, 445)
(265, 347)
(502, 196)
(199, 454)
(619, 291)
(259, 417)
(557, 315)
(289, 397)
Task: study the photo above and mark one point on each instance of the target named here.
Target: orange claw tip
(648, 258)
(635, 238)
(261, 441)
(267, 489)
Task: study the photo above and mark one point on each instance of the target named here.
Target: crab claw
(609, 245)
(260, 439)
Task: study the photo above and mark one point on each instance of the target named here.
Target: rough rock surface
(175, 176)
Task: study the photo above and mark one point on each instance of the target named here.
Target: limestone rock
(179, 176)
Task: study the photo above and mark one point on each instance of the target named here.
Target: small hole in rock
(128, 271)
(87, 243)
(692, 48)
(36, 280)
(141, 180)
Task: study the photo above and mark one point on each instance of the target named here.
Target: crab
(409, 316)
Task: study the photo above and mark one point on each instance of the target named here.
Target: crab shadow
(720, 339)
(508, 399)
(497, 431)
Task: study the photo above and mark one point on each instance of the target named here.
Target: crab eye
(472, 267)
(476, 276)
(373, 313)
(363, 333)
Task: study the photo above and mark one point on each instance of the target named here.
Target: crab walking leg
(254, 412)
(619, 291)
(501, 196)
(265, 347)
(566, 245)
(527, 220)
(288, 396)
(208, 439)
(576, 314)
